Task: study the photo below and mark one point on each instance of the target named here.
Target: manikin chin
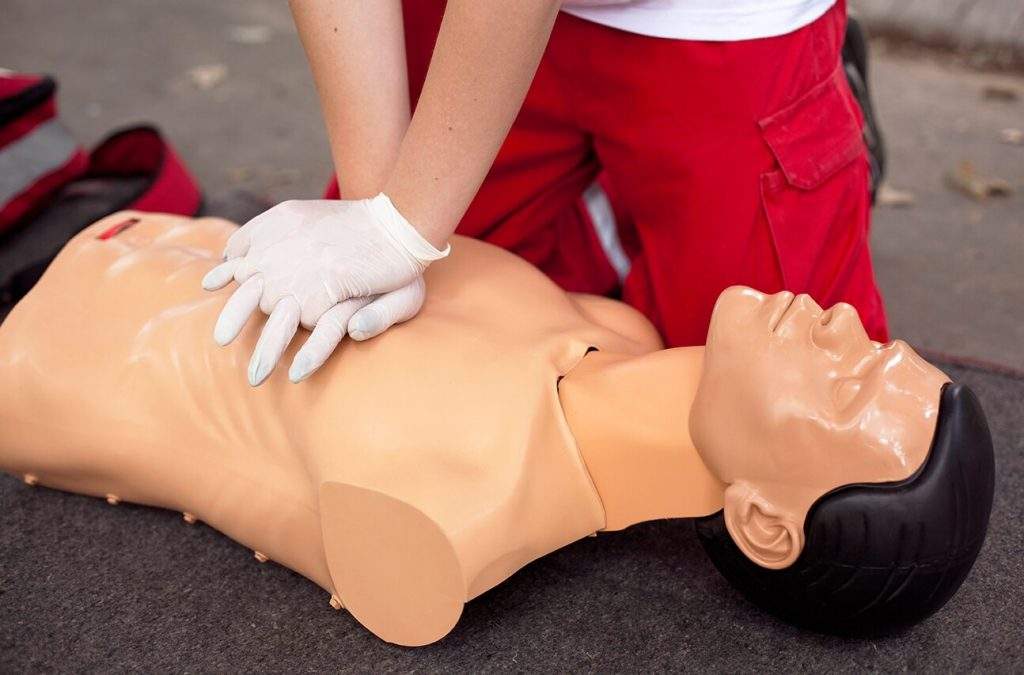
(508, 419)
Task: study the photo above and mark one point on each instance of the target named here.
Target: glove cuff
(403, 232)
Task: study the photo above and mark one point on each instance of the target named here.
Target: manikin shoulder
(619, 317)
(497, 286)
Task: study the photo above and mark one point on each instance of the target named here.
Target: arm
(356, 51)
(483, 63)
(355, 267)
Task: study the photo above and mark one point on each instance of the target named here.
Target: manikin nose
(839, 315)
(839, 330)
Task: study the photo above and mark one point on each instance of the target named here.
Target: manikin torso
(443, 444)
(418, 469)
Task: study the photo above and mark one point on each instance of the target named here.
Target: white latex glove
(357, 264)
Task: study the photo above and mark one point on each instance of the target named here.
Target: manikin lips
(780, 312)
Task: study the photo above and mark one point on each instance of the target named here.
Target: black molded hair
(879, 557)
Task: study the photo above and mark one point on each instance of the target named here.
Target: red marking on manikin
(117, 229)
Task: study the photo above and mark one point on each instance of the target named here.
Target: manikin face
(795, 401)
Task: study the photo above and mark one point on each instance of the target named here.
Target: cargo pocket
(818, 149)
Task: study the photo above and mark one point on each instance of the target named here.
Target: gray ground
(992, 31)
(950, 268)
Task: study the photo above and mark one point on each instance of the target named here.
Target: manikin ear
(766, 534)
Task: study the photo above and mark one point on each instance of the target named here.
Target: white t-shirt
(715, 20)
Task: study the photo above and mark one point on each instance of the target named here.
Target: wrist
(419, 210)
(405, 233)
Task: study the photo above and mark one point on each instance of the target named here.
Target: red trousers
(726, 163)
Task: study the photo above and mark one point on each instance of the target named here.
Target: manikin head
(824, 438)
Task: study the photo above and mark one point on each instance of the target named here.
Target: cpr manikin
(419, 469)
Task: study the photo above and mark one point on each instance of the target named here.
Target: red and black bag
(37, 154)
(51, 188)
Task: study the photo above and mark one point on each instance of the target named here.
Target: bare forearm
(485, 58)
(356, 50)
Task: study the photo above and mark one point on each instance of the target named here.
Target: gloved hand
(355, 265)
(360, 318)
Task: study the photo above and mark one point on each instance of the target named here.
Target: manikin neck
(630, 416)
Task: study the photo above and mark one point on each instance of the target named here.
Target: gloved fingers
(315, 306)
(237, 310)
(326, 335)
(277, 333)
(220, 275)
(238, 242)
(244, 268)
(387, 310)
(312, 305)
